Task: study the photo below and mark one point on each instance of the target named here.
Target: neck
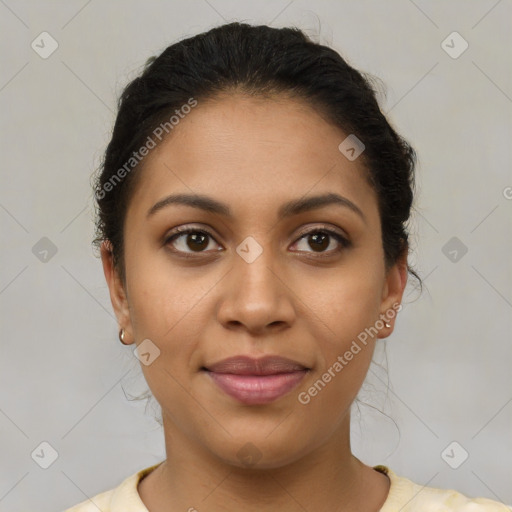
(328, 478)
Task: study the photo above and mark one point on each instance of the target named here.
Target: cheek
(344, 345)
(165, 303)
(343, 301)
(165, 306)
(161, 294)
(341, 315)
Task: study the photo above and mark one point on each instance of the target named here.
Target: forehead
(250, 152)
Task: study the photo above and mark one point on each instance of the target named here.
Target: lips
(244, 365)
(256, 381)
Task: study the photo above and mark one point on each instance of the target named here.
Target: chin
(254, 452)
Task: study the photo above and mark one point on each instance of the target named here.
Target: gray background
(64, 377)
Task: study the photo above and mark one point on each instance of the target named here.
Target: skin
(254, 155)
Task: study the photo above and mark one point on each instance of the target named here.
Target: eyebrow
(288, 209)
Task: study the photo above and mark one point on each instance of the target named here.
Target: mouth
(256, 381)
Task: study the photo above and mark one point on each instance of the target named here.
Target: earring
(121, 337)
(387, 324)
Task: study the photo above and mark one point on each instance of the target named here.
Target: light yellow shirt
(404, 496)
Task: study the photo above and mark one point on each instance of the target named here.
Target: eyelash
(345, 244)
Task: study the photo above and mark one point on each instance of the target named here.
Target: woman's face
(256, 284)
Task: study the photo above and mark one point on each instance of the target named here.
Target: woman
(252, 210)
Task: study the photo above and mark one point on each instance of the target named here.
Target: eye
(189, 238)
(321, 239)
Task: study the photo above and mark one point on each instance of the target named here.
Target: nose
(256, 296)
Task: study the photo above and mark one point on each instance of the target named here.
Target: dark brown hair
(258, 61)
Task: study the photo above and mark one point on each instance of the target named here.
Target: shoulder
(124, 498)
(407, 496)
(101, 501)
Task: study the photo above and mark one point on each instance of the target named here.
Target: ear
(392, 293)
(117, 291)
